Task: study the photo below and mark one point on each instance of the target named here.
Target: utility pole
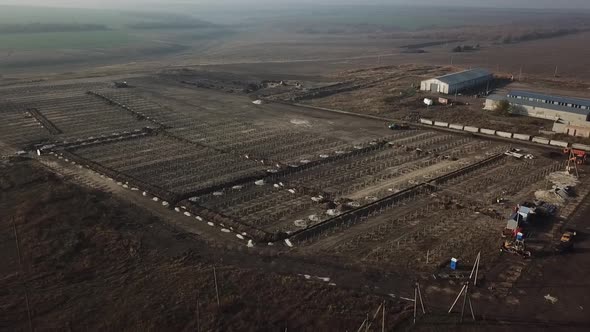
(20, 263)
(555, 73)
(475, 268)
(216, 288)
(466, 298)
(572, 160)
(198, 317)
(383, 319)
(418, 297)
(363, 324)
(415, 303)
(465, 290)
(369, 323)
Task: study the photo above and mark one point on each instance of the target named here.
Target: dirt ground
(392, 92)
(112, 266)
(550, 293)
(107, 256)
(311, 54)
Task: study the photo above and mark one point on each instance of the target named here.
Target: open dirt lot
(182, 172)
(393, 92)
(87, 261)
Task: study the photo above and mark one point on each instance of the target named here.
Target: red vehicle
(576, 155)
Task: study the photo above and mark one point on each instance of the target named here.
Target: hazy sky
(539, 4)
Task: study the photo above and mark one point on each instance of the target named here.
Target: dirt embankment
(90, 262)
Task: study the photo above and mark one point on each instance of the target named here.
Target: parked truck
(398, 126)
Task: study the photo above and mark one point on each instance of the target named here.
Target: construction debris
(550, 299)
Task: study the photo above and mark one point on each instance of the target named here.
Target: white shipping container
(426, 121)
(487, 131)
(441, 124)
(558, 143)
(456, 126)
(471, 129)
(522, 137)
(504, 134)
(541, 140)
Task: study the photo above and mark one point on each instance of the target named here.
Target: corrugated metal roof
(526, 102)
(464, 76)
(559, 99)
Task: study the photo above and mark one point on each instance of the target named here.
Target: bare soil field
(392, 92)
(183, 171)
(310, 48)
(87, 261)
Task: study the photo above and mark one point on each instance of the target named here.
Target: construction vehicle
(515, 246)
(566, 242)
(121, 85)
(576, 155)
(398, 126)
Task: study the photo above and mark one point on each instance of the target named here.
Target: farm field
(331, 40)
(66, 40)
(40, 37)
(32, 14)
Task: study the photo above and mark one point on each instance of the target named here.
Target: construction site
(256, 174)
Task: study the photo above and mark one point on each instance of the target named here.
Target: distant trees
(465, 48)
(538, 34)
(502, 107)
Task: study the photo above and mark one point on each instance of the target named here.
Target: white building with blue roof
(544, 106)
(456, 82)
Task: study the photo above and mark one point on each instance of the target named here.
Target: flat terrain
(65, 40)
(182, 172)
(392, 92)
(109, 265)
(334, 38)
(247, 180)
